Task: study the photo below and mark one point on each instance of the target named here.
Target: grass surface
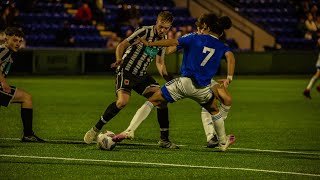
(277, 132)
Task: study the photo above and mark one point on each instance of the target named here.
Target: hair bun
(225, 22)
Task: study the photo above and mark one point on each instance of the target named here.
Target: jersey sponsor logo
(151, 51)
(126, 82)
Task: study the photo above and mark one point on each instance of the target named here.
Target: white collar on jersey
(213, 36)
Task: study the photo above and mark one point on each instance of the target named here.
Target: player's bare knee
(27, 97)
(227, 101)
(121, 103)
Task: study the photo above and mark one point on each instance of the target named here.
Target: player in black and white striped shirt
(10, 94)
(132, 62)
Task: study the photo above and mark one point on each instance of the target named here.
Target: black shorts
(5, 98)
(126, 81)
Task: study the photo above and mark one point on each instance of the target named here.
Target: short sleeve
(138, 33)
(186, 40)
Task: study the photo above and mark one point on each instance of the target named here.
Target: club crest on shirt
(126, 82)
(150, 51)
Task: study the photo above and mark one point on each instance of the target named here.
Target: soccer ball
(104, 140)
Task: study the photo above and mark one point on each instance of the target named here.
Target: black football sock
(163, 120)
(108, 114)
(26, 116)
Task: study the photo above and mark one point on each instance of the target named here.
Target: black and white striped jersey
(138, 57)
(5, 60)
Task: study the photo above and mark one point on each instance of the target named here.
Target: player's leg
(313, 80)
(223, 95)
(162, 114)
(163, 121)
(157, 99)
(212, 139)
(145, 86)
(141, 114)
(218, 121)
(123, 85)
(25, 99)
(311, 83)
(318, 75)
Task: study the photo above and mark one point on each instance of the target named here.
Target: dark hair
(216, 25)
(14, 31)
(166, 16)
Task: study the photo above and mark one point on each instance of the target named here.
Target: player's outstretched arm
(231, 64)
(230, 68)
(163, 42)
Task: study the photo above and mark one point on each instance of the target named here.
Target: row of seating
(168, 3)
(49, 40)
(296, 43)
(270, 12)
(48, 7)
(44, 17)
(47, 18)
(35, 28)
(277, 22)
(151, 10)
(279, 17)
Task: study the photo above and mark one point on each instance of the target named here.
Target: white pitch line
(160, 164)
(241, 149)
(75, 141)
(275, 151)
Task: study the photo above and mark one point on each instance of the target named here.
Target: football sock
(311, 82)
(163, 120)
(224, 110)
(163, 117)
(108, 114)
(26, 116)
(207, 124)
(140, 116)
(218, 123)
(164, 134)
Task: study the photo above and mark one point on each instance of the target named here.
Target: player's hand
(6, 88)
(116, 64)
(224, 82)
(145, 42)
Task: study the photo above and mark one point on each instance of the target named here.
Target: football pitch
(277, 133)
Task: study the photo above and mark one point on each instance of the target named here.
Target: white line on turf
(75, 141)
(159, 164)
(241, 149)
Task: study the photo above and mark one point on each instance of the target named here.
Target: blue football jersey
(201, 56)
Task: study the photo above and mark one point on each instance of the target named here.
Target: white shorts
(183, 87)
(213, 82)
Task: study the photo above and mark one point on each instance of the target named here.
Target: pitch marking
(241, 149)
(159, 164)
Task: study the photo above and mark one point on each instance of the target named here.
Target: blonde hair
(166, 16)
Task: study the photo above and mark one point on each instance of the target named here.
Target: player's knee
(121, 103)
(227, 101)
(27, 97)
(212, 110)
